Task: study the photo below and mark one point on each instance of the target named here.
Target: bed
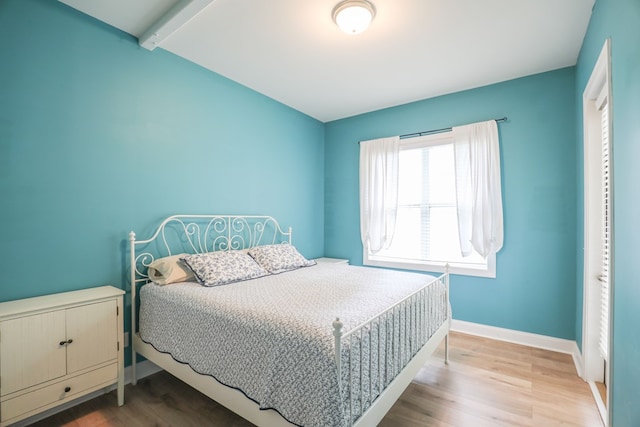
(316, 345)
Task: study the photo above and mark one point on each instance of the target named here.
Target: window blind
(604, 276)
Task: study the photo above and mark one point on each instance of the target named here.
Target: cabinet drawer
(55, 393)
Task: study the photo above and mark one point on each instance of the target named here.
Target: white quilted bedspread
(272, 338)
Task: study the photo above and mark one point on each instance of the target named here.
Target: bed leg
(134, 291)
(446, 337)
(134, 378)
(446, 349)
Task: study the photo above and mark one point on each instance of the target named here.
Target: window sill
(458, 269)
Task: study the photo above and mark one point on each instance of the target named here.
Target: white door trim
(592, 360)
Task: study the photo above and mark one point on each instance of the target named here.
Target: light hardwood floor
(487, 383)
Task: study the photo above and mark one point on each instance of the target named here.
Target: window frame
(431, 140)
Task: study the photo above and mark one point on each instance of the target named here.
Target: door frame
(592, 369)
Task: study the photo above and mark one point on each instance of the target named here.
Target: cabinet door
(30, 350)
(93, 329)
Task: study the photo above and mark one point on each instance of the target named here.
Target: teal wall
(535, 286)
(99, 136)
(620, 21)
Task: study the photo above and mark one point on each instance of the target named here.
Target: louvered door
(604, 277)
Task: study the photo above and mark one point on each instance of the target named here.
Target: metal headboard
(197, 234)
(202, 233)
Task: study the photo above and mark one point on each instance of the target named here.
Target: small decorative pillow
(171, 269)
(223, 267)
(279, 258)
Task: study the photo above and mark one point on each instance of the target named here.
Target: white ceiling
(291, 50)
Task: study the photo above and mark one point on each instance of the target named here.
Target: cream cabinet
(58, 347)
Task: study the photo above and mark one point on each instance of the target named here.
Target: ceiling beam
(181, 13)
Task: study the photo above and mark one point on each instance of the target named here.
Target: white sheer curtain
(379, 163)
(478, 189)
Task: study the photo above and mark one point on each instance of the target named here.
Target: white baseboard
(577, 359)
(602, 408)
(524, 338)
(144, 369)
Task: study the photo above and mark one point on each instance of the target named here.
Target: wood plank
(487, 384)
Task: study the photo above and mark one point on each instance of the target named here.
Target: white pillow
(171, 269)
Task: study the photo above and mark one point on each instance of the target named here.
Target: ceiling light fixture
(353, 16)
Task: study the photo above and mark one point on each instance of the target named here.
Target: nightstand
(332, 260)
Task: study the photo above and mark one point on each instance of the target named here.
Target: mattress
(271, 337)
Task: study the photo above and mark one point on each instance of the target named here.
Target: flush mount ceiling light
(353, 16)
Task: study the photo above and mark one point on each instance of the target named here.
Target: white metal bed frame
(206, 233)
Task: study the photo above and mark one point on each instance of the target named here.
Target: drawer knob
(67, 389)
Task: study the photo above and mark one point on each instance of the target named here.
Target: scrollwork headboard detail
(199, 234)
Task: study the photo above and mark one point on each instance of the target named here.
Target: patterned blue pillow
(223, 267)
(279, 258)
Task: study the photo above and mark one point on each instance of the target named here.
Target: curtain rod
(433, 131)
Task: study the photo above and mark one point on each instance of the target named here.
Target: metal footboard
(370, 356)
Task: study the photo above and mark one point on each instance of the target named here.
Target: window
(426, 232)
